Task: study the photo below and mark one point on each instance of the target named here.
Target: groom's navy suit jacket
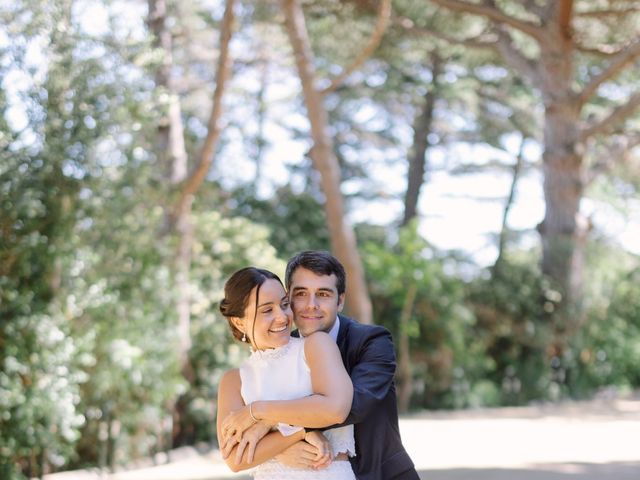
(369, 358)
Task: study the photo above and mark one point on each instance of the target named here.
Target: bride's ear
(238, 323)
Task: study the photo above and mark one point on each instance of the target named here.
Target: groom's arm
(373, 373)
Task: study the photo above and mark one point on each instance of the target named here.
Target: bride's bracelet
(255, 420)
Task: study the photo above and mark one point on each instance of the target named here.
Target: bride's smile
(268, 326)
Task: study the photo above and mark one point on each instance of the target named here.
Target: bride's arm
(328, 405)
(229, 399)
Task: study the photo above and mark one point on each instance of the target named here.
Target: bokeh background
(475, 166)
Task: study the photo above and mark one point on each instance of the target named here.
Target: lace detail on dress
(272, 470)
(341, 440)
(269, 354)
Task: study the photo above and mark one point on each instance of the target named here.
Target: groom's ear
(341, 302)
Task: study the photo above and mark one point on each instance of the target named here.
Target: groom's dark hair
(319, 262)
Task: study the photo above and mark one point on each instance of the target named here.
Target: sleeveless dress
(283, 374)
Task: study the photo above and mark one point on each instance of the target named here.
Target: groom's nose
(312, 301)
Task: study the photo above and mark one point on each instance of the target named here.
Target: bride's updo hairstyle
(236, 295)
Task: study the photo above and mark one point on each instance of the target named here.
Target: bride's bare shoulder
(230, 379)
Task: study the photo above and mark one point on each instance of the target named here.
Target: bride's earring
(244, 337)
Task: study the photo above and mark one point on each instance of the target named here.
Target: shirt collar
(333, 333)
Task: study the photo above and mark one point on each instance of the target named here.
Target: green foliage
(38, 394)
(39, 381)
(118, 297)
(605, 352)
(296, 221)
(512, 306)
(446, 360)
(614, 358)
(58, 300)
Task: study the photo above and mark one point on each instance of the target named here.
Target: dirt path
(599, 439)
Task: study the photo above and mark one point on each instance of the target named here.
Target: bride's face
(273, 318)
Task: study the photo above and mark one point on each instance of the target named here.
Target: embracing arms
(238, 457)
(328, 405)
(372, 372)
(332, 389)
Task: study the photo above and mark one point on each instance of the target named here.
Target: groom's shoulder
(354, 328)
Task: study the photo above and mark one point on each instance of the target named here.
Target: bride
(285, 384)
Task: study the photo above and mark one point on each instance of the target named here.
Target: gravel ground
(598, 439)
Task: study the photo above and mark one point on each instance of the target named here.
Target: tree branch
(604, 51)
(192, 183)
(616, 153)
(384, 14)
(504, 229)
(522, 119)
(472, 42)
(618, 62)
(608, 12)
(515, 57)
(618, 115)
(492, 12)
(565, 13)
(532, 6)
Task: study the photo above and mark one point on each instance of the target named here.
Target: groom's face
(314, 300)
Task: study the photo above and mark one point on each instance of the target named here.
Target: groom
(316, 284)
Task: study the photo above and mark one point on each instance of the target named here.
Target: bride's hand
(234, 424)
(323, 454)
(250, 439)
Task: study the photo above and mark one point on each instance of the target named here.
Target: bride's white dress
(283, 374)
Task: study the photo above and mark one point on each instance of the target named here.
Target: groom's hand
(324, 454)
(306, 455)
(298, 455)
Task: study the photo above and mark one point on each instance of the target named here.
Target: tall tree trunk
(261, 140)
(404, 374)
(172, 153)
(563, 229)
(421, 130)
(172, 157)
(170, 147)
(504, 229)
(343, 239)
(415, 179)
